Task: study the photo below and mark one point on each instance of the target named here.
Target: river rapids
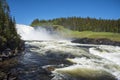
(63, 60)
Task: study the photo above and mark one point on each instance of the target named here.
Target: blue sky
(25, 11)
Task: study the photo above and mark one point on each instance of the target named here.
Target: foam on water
(83, 59)
(83, 72)
(99, 64)
(111, 53)
(56, 48)
(109, 61)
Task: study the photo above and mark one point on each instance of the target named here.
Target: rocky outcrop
(7, 72)
(9, 52)
(100, 41)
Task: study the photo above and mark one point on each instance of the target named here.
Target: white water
(31, 33)
(83, 61)
(96, 58)
(111, 53)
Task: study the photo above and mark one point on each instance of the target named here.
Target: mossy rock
(2, 75)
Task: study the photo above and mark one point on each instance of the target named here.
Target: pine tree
(8, 34)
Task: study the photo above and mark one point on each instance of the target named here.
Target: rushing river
(63, 60)
(47, 57)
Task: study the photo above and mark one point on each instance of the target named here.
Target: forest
(9, 39)
(82, 24)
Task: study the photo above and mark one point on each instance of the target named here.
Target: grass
(86, 34)
(94, 35)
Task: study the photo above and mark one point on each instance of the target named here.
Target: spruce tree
(8, 34)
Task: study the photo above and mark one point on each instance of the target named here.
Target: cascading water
(47, 58)
(30, 33)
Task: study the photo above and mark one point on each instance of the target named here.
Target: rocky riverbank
(8, 61)
(9, 53)
(7, 71)
(101, 41)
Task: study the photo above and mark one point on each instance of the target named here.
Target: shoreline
(99, 41)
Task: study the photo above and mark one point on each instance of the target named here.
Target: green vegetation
(8, 34)
(82, 24)
(95, 35)
(77, 27)
(86, 34)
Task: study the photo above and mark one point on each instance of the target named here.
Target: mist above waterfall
(35, 33)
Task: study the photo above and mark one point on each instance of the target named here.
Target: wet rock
(2, 75)
(102, 41)
(1, 58)
(7, 54)
(7, 64)
(8, 76)
(49, 68)
(12, 75)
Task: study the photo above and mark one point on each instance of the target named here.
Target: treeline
(9, 39)
(82, 24)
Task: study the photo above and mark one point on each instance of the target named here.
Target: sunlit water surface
(69, 61)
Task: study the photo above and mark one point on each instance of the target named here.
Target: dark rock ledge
(101, 41)
(8, 53)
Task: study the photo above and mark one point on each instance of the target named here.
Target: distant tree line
(8, 34)
(82, 24)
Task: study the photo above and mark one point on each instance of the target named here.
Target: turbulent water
(50, 59)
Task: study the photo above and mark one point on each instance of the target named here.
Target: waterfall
(31, 33)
